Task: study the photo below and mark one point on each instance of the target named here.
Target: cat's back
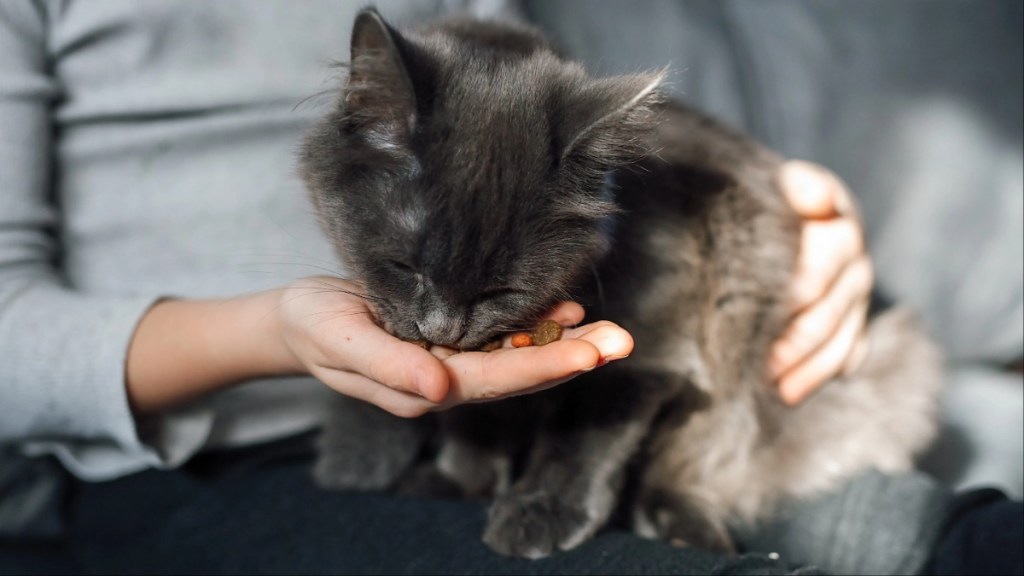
(705, 233)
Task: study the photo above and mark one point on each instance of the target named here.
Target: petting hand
(831, 287)
(331, 333)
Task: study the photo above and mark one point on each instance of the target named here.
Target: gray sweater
(147, 150)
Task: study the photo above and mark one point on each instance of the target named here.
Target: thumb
(811, 190)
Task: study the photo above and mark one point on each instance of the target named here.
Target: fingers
(358, 386)
(826, 362)
(480, 376)
(831, 285)
(815, 192)
(611, 341)
(360, 359)
(827, 247)
(566, 313)
(476, 376)
(363, 347)
(831, 236)
(819, 323)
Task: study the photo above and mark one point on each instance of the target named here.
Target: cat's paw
(362, 447)
(536, 524)
(682, 521)
(344, 473)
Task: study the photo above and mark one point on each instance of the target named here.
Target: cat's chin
(475, 345)
(415, 338)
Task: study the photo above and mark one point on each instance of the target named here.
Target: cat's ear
(380, 99)
(606, 116)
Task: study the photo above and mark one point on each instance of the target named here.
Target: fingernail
(809, 187)
(612, 358)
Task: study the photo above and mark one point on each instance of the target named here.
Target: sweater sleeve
(62, 350)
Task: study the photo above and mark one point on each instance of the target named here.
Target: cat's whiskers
(319, 94)
(335, 314)
(317, 267)
(332, 90)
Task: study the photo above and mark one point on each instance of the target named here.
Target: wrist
(186, 349)
(268, 352)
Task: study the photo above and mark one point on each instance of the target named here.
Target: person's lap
(263, 514)
(256, 510)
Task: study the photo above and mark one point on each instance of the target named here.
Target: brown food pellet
(491, 346)
(546, 332)
(521, 339)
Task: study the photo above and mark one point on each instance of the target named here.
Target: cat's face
(460, 178)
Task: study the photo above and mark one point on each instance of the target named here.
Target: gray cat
(470, 178)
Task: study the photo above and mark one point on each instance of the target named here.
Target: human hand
(831, 286)
(329, 330)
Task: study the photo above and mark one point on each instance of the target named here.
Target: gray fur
(464, 179)
(352, 459)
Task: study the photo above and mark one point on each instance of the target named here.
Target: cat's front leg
(363, 447)
(682, 520)
(460, 470)
(476, 445)
(576, 468)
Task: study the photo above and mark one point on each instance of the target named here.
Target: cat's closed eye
(501, 293)
(403, 267)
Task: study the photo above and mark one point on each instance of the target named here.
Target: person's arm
(62, 351)
(186, 349)
(831, 287)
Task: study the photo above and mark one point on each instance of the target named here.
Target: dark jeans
(256, 510)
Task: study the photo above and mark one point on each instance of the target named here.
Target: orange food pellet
(521, 339)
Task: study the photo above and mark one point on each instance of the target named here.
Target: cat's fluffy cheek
(392, 321)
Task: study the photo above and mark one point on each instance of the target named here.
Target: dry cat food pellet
(521, 339)
(546, 332)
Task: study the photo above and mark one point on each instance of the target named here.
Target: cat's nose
(440, 328)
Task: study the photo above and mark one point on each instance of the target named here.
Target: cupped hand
(831, 287)
(330, 332)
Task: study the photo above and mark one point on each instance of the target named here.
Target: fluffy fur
(470, 178)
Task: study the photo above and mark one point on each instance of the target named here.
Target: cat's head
(461, 174)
